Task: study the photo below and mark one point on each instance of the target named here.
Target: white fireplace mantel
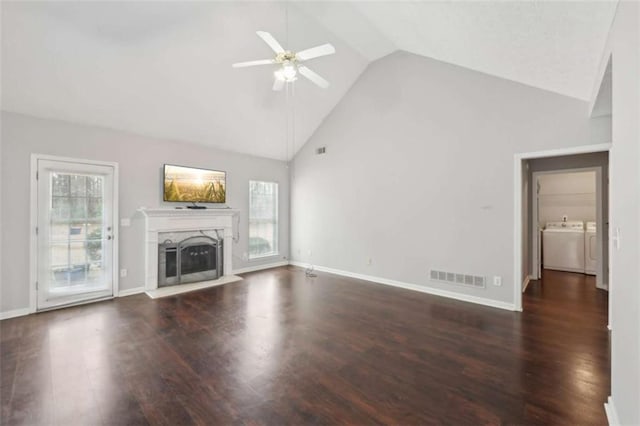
(180, 220)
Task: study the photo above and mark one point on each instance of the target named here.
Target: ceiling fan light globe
(289, 72)
(279, 74)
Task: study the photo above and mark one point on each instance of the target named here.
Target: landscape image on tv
(191, 185)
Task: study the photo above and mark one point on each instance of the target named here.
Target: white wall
(418, 172)
(140, 160)
(623, 47)
(570, 194)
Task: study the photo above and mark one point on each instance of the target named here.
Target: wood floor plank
(281, 348)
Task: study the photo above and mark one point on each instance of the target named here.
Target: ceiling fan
(290, 62)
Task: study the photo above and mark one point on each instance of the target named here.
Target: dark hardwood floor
(279, 348)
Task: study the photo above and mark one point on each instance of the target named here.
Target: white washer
(590, 249)
(563, 246)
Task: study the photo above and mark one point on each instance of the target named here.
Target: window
(263, 219)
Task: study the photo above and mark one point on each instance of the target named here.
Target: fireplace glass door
(192, 259)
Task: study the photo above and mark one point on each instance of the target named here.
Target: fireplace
(191, 259)
(168, 227)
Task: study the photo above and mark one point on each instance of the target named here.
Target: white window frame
(276, 242)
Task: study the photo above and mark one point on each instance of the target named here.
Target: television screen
(191, 185)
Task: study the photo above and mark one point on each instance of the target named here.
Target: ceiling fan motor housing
(287, 56)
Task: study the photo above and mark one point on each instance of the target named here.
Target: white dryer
(563, 246)
(590, 249)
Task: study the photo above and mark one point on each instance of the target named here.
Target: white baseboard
(612, 414)
(14, 313)
(526, 282)
(415, 287)
(260, 267)
(130, 291)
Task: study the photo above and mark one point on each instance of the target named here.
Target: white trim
(1, 226)
(14, 313)
(74, 304)
(260, 267)
(33, 246)
(180, 212)
(526, 282)
(33, 209)
(612, 413)
(583, 149)
(517, 205)
(115, 262)
(414, 287)
(130, 291)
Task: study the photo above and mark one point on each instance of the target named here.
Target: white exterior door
(74, 232)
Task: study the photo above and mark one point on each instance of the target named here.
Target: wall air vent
(456, 278)
(321, 150)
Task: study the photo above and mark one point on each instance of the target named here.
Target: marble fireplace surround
(160, 221)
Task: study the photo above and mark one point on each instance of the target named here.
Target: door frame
(601, 278)
(33, 246)
(518, 224)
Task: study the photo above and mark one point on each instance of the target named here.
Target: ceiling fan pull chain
(286, 22)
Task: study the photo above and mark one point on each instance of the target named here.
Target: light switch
(125, 222)
(616, 238)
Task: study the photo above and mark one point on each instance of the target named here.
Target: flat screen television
(193, 185)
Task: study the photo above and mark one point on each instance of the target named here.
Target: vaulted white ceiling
(163, 69)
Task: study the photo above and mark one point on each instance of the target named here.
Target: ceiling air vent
(456, 278)
(321, 150)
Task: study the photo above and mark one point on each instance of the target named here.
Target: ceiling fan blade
(272, 42)
(315, 52)
(278, 85)
(311, 75)
(254, 63)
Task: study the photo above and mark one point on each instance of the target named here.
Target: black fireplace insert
(193, 259)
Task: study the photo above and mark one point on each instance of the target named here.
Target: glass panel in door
(74, 237)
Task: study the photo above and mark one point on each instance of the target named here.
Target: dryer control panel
(572, 224)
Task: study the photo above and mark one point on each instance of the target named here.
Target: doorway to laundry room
(566, 220)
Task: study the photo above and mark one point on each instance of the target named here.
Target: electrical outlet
(245, 256)
(497, 281)
(309, 253)
(123, 273)
(369, 261)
